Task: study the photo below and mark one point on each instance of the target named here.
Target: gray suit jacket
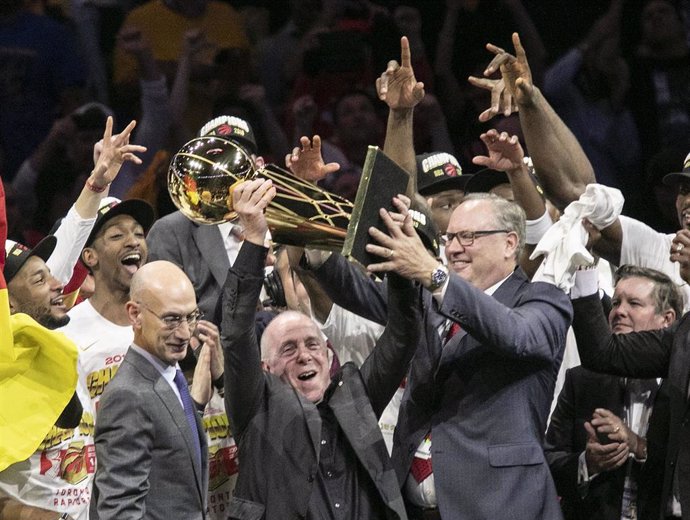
(279, 432)
(484, 396)
(198, 250)
(144, 451)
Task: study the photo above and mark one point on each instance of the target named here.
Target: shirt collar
(167, 371)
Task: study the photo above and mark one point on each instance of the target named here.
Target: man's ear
(13, 304)
(133, 314)
(265, 367)
(89, 257)
(512, 242)
(669, 317)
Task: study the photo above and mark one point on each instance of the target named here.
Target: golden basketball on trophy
(205, 170)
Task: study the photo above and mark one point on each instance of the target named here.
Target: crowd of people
(516, 347)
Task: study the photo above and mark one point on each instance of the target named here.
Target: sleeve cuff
(586, 283)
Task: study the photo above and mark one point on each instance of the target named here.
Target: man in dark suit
(150, 446)
(309, 445)
(661, 353)
(475, 405)
(590, 471)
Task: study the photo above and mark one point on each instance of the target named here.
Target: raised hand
(249, 200)
(680, 252)
(201, 389)
(397, 86)
(515, 70)
(504, 152)
(207, 335)
(307, 162)
(515, 86)
(110, 152)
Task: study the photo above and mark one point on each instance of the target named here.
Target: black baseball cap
(671, 179)
(439, 171)
(17, 254)
(426, 229)
(232, 128)
(139, 210)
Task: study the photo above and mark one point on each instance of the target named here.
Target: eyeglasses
(466, 238)
(173, 321)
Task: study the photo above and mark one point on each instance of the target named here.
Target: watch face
(438, 277)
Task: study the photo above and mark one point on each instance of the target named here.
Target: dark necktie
(189, 411)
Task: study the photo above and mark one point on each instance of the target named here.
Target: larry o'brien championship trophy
(204, 172)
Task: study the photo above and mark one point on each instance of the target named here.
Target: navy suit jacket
(485, 396)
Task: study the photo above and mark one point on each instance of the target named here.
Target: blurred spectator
(279, 57)
(96, 22)
(588, 87)
(356, 126)
(467, 24)
(660, 74)
(163, 23)
(51, 178)
(42, 78)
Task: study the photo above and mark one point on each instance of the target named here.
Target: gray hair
(507, 214)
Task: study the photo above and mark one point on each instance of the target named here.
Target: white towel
(563, 245)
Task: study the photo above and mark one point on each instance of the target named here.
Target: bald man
(150, 446)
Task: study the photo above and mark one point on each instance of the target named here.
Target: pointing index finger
(405, 58)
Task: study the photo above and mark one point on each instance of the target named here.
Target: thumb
(591, 432)
(481, 160)
(331, 167)
(524, 87)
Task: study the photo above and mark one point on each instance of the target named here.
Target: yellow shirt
(164, 29)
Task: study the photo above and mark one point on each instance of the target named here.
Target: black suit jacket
(662, 353)
(278, 431)
(584, 391)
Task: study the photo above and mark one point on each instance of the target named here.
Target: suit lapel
(313, 423)
(211, 246)
(462, 343)
(355, 420)
(166, 394)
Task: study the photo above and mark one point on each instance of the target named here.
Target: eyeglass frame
(472, 236)
(196, 315)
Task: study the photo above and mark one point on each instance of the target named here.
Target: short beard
(51, 322)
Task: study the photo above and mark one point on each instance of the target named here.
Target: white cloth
(643, 246)
(59, 475)
(102, 347)
(563, 245)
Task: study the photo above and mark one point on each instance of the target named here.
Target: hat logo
(450, 170)
(224, 130)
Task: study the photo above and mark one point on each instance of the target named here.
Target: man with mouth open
(309, 445)
(99, 326)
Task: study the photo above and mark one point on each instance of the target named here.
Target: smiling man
(152, 453)
(310, 444)
(114, 251)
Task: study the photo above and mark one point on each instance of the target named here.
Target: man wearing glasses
(150, 445)
(468, 443)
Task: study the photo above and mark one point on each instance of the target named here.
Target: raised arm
(560, 162)
(243, 374)
(399, 89)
